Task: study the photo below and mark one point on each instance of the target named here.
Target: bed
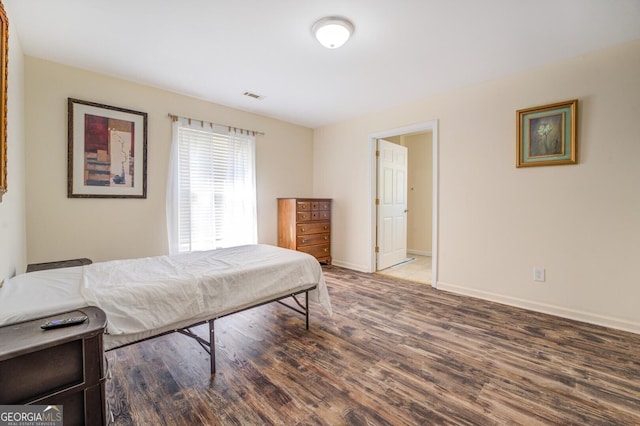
(148, 297)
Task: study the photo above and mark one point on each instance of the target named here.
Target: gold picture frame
(4, 72)
(547, 134)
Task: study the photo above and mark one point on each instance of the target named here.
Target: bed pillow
(40, 293)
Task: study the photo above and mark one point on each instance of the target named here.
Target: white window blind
(212, 183)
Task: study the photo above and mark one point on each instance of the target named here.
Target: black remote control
(64, 322)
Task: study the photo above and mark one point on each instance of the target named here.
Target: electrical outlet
(538, 274)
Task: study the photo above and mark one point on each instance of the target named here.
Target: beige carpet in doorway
(418, 270)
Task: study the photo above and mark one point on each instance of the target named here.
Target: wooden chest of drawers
(304, 224)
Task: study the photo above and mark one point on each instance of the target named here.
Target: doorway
(422, 202)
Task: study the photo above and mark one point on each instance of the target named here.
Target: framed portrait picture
(107, 151)
(546, 135)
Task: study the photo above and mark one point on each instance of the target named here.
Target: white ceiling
(401, 50)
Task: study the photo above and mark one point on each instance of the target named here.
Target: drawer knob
(326, 227)
(304, 216)
(304, 241)
(326, 250)
(301, 229)
(326, 238)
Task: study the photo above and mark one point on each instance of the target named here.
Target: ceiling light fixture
(332, 31)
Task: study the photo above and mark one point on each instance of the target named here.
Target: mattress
(149, 296)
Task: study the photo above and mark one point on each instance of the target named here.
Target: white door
(392, 204)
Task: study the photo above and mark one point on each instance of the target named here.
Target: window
(211, 199)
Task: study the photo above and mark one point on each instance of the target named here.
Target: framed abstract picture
(107, 151)
(546, 135)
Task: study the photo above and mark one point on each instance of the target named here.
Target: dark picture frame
(107, 155)
(547, 134)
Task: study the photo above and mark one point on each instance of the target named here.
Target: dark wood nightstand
(58, 264)
(63, 366)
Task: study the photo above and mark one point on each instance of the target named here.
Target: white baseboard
(419, 252)
(591, 318)
(353, 266)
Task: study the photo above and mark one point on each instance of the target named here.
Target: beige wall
(419, 192)
(496, 222)
(60, 228)
(13, 247)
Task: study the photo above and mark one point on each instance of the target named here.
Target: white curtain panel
(211, 187)
(172, 191)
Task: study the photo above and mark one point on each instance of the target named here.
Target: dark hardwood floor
(394, 353)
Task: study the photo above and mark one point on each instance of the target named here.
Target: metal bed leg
(306, 302)
(212, 347)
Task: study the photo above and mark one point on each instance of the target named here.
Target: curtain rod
(175, 117)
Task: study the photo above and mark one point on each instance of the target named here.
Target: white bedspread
(149, 293)
(144, 297)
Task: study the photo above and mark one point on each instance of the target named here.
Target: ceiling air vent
(253, 95)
